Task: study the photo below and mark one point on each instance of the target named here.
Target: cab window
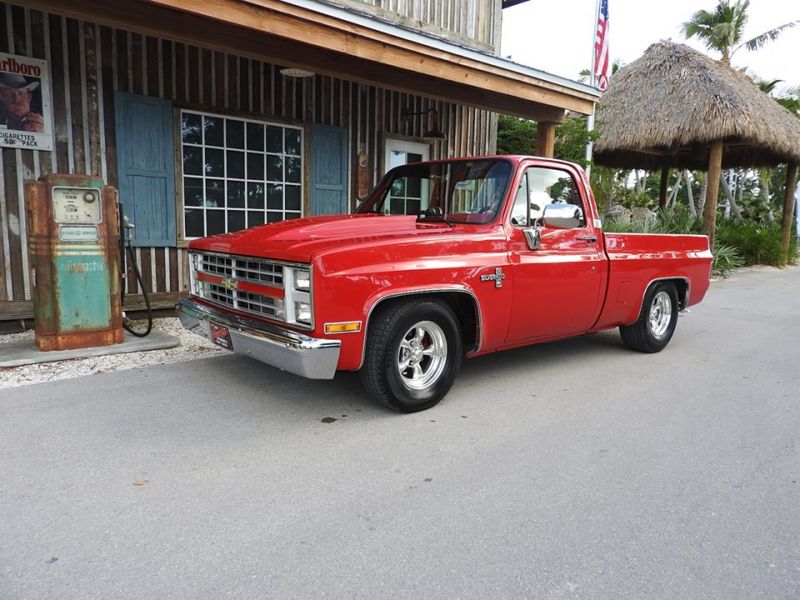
(540, 186)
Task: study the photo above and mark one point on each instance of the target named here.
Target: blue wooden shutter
(329, 170)
(146, 167)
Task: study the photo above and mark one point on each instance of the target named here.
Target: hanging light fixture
(434, 132)
(296, 73)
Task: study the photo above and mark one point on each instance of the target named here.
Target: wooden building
(214, 116)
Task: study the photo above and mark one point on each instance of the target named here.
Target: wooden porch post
(662, 192)
(788, 210)
(545, 139)
(712, 191)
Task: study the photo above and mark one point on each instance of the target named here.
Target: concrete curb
(24, 352)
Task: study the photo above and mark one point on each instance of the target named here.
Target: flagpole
(593, 83)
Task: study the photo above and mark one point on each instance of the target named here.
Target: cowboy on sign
(24, 103)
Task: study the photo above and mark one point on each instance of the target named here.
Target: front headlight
(302, 280)
(194, 263)
(299, 305)
(302, 312)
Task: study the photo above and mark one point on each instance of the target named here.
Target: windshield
(461, 191)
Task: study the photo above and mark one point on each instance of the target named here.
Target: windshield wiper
(433, 215)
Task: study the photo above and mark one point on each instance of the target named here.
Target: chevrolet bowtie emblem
(497, 277)
(229, 284)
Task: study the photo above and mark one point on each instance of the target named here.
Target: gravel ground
(191, 346)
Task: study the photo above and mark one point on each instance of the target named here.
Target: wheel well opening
(463, 306)
(681, 287)
(683, 291)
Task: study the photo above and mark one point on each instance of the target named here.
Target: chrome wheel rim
(660, 314)
(422, 355)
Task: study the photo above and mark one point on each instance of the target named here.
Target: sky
(557, 37)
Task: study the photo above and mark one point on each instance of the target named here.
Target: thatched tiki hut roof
(675, 107)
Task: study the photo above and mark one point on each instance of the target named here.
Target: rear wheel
(657, 320)
(413, 354)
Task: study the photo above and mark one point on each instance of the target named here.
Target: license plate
(221, 336)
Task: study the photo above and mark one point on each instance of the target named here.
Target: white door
(408, 195)
(400, 152)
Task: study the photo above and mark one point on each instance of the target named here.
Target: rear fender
(682, 284)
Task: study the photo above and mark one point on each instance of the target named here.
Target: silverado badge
(497, 277)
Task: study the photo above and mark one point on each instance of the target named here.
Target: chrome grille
(257, 271)
(217, 293)
(241, 268)
(214, 264)
(265, 305)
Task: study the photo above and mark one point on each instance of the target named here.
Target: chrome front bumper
(289, 351)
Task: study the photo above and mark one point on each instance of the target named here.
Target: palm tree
(722, 29)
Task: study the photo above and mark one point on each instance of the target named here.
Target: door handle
(587, 238)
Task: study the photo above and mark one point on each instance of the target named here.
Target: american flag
(601, 59)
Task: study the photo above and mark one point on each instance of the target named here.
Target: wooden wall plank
(181, 78)
(172, 256)
(137, 64)
(243, 76)
(160, 274)
(74, 90)
(109, 114)
(12, 197)
(231, 89)
(154, 84)
(167, 70)
(194, 75)
(219, 72)
(94, 100)
(207, 67)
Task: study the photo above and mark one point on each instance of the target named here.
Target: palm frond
(768, 36)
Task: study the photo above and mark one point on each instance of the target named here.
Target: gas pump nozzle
(129, 227)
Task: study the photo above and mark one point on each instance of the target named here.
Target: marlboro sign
(25, 118)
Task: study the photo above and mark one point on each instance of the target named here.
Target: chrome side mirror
(562, 216)
(533, 235)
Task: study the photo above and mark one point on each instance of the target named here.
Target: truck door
(557, 287)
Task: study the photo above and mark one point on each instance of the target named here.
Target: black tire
(657, 320)
(436, 355)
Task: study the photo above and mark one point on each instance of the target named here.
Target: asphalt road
(570, 470)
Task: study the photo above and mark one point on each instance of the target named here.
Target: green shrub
(726, 260)
(757, 243)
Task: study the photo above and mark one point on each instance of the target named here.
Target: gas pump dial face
(76, 205)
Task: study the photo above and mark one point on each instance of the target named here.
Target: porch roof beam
(278, 33)
(324, 32)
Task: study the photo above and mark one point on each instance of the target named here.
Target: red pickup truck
(444, 259)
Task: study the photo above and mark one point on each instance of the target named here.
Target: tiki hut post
(546, 139)
(662, 192)
(788, 210)
(712, 191)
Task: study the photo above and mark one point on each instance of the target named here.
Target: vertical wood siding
(88, 62)
(473, 22)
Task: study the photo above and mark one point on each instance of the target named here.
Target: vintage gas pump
(73, 232)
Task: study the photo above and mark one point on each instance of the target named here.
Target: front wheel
(657, 320)
(413, 354)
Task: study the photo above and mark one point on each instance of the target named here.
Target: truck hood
(298, 240)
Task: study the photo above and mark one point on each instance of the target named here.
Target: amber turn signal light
(347, 327)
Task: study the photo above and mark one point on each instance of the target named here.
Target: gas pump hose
(125, 322)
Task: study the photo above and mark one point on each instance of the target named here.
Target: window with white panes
(238, 173)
